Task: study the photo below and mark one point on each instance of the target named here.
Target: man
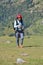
(19, 30)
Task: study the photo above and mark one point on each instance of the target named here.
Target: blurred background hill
(31, 10)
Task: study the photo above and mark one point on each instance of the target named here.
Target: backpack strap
(16, 22)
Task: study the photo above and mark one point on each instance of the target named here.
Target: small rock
(19, 60)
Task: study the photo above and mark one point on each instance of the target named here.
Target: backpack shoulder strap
(16, 22)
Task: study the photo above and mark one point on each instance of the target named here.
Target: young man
(19, 30)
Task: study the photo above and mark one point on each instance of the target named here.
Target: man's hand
(19, 26)
(23, 27)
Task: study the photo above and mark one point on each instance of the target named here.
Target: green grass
(33, 46)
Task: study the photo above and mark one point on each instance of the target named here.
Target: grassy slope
(33, 46)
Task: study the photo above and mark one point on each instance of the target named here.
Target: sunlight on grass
(33, 46)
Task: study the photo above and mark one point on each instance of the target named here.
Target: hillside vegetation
(31, 10)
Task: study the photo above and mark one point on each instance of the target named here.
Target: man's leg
(17, 38)
(21, 39)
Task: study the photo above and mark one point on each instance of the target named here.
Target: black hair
(20, 20)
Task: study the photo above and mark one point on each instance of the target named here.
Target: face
(19, 19)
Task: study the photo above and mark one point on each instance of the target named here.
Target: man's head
(19, 17)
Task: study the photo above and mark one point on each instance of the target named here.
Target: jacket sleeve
(15, 26)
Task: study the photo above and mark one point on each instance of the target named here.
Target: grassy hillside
(31, 10)
(36, 27)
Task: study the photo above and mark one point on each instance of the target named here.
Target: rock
(19, 60)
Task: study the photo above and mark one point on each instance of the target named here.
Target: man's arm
(15, 25)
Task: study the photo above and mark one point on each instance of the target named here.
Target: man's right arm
(15, 25)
